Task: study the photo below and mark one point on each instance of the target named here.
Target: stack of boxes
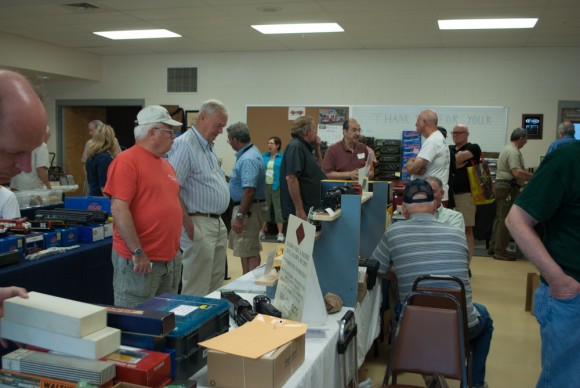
(388, 153)
(410, 149)
(76, 330)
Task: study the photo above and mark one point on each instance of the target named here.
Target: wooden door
(75, 135)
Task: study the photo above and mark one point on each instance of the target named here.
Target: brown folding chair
(429, 341)
(459, 294)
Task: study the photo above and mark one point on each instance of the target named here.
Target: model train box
(196, 319)
(88, 203)
(69, 236)
(52, 239)
(92, 233)
(12, 243)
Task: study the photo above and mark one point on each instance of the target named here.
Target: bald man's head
(22, 124)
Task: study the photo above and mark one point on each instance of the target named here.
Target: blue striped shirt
(203, 186)
(249, 171)
(424, 246)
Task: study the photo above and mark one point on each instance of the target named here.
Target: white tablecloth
(321, 367)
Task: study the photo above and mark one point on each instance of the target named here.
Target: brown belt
(210, 215)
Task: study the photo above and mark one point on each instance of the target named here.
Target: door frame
(61, 104)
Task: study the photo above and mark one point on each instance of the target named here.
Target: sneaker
(262, 235)
(280, 237)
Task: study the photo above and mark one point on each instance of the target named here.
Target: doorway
(72, 121)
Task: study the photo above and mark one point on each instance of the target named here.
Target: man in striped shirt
(205, 193)
(421, 245)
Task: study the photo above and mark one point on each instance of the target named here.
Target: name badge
(269, 173)
(361, 155)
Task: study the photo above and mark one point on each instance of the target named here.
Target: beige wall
(525, 80)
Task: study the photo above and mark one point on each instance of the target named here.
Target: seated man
(443, 214)
(421, 245)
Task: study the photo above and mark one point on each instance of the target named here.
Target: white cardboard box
(94, 346)
(54, 314)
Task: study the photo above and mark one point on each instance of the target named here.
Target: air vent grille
(182, 80)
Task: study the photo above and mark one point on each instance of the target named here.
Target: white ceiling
(224, 25)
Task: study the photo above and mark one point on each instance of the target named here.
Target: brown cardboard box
(269, 371)
(532, 283)
(361, 291)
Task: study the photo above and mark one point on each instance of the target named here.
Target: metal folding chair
(428, 341)
(459, 294)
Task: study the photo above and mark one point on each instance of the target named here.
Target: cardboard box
(69, 236)
(52, 239)
(55, 314)
(92, 233)
(269, 371)
(139, 366)
(33, 242)
(134, 320)
(12, 243)
(362, 284)
(108, 230)
(88, 203)
(94, 345)
(532, 283)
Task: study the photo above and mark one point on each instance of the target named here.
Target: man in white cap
(144, 194)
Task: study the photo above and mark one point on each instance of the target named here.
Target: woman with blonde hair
(100, 154)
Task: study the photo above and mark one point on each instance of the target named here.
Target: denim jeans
(480, 340)
(559, 322)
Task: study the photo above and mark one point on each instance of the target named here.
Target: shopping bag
(480, 182)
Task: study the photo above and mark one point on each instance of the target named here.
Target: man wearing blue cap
(422, 245)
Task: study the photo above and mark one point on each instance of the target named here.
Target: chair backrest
(429, 340)
(458, 293)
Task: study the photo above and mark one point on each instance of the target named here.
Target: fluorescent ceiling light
(138, 34)
(306, 28)
(486, 24)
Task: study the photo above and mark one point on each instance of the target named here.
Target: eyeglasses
(354, 130)
(170, 131)
(457, 133)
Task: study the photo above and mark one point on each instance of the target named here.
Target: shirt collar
(241, 151)
(204, 143)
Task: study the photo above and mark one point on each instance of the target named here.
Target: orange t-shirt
(149, 185)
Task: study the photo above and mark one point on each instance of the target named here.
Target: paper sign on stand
(298, 294)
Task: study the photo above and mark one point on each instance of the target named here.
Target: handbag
(481, 183)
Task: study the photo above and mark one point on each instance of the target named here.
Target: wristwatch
(239, 216)
(137, 252)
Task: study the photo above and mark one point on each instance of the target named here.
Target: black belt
(210, 215)
(254, 201)
(512, 182)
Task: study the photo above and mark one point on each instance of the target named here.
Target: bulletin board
(267, 121)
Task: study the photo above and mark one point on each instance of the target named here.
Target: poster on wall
(296, 111)
(533, 124)
(330, 121)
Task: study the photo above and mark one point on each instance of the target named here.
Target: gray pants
(132, 288)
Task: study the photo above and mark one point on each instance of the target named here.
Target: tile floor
(514, 359)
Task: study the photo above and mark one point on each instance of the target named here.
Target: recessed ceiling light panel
(305, 28)
(138, 34)
(486, 24)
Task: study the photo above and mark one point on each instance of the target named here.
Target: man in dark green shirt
(552, 197)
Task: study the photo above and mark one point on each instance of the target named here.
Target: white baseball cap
(156, 114)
